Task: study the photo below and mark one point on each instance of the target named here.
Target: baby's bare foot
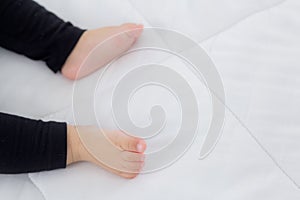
(111, 41)
(113, 150)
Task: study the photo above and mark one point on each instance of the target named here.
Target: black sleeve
(29, 29)
(28, 145)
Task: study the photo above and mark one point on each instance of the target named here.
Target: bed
(255, 46)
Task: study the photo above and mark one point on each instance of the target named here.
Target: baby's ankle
(74, 146)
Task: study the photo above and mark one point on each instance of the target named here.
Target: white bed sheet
(258, 61)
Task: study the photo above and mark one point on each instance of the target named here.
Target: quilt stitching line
(37, 187)
(241, 21)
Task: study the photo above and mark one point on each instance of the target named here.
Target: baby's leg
(113, 47)
(113, 150)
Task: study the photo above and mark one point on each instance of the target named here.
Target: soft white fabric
(258, 62)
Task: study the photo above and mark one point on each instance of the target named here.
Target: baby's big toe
(129, 143)
(132, 30)
(133, 144)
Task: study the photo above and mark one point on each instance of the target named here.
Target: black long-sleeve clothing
(27, 28)
(28, 145)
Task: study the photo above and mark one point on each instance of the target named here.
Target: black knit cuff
(57, 145)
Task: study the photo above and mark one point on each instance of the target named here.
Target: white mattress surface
(255, 46)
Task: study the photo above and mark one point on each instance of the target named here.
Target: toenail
(139, 147)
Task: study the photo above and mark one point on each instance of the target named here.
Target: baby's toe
(128, 143)
(132, 30)
(132, 156)
(132, 167)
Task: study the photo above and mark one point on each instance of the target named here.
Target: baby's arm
(28, 28)
(28, 145)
